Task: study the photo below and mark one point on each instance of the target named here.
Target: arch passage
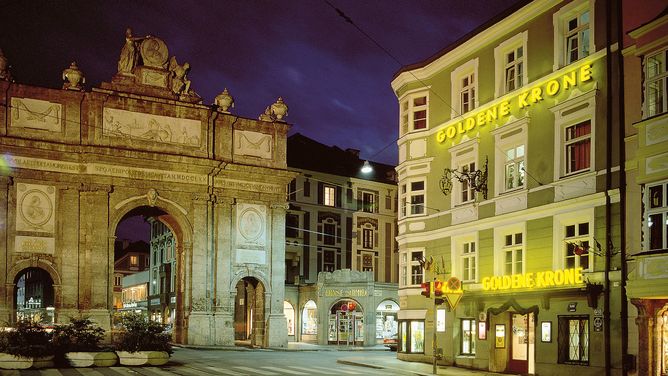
(34, 296)
(249, 316)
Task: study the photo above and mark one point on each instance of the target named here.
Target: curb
(351, 363)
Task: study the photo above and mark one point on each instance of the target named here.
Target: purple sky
(335, 80)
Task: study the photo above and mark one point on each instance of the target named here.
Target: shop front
(345, 308)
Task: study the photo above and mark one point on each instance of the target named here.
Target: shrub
(141, 334)
(26, 339)
(81, 334)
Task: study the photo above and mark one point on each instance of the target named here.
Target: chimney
(354, 152)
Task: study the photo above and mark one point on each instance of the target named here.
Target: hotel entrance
(522, 344)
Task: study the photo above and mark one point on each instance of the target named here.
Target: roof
(307, 154)
(463, 39)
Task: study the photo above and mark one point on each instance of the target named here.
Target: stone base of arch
(210, 329)
(277, 335)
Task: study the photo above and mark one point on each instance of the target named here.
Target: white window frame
(407, 193)
(329, 195)
(500, 247)
(659, 211)
(509, 137)
(516, 246)
(408, 109)
(372, 205)
(560, 25)
(569, 113)
(463, 155)
(368, 232)
(468, 69)
(661, 78)
(500, 63)
(406, 267)
(458, 253)
(561, 241)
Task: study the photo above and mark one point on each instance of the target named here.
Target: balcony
(648, 275)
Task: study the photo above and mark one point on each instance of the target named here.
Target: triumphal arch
(74, 162)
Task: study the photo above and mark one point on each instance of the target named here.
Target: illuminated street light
(366, 168)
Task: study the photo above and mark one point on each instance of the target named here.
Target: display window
(289, 313)
(310, 318)
(412, 336)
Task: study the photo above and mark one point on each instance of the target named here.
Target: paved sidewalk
(394, 364)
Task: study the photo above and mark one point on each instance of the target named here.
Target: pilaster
(277, 335)
(6, 286)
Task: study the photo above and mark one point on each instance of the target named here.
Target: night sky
(335, 80)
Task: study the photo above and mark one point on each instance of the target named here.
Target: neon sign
(522, 100)
(564, 277)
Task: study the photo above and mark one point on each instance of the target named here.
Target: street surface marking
(226, 371)
(339, 370)
(261, 372)
(311, 370)
(285, 370)
(83, 371)
(153, 371)
(188, 370)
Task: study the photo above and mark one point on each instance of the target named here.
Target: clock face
(36, 208)
(250, 224)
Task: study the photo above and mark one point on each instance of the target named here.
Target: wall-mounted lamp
(476, 179)
(366, 167)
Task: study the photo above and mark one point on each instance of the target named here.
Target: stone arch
(357, 302)
(18, 268)
(238, 276)
(176, 219)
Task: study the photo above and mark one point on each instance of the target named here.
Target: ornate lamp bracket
(476, 179)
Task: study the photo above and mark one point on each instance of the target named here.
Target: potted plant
(79, 342)
(142, 342)
(24, 345)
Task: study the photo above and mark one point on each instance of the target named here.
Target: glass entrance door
(519, 343)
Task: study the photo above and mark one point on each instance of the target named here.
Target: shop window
(577, 147)
(513, 254)
(573, 29)
(573, 339)
(511, 64)
(289, 313)
(468, 336)
(413, 198)
(464, 88)
(656, 224)
(412, 336)
(387, 325)
(310, 318)
(577, 240)
(656, 83)
(413, 112)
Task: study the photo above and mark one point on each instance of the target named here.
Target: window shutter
(321, 190)
(307, 188)
(338, 197)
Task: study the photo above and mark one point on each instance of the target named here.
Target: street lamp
(366, 167)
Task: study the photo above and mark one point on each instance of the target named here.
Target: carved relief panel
(251, 234)
(149, 127)
(35, 208)
(36, 114)
(254, 144)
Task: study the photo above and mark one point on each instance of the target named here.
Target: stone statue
(266, 116)
(129, 54)
(4, 69)
(180, 83)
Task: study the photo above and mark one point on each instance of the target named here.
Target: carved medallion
(251, 225)
(154, 52)
(35, 207)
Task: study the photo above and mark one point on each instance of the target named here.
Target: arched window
(310, 318)
(289, 313)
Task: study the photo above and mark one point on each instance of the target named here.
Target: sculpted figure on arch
(129, 54)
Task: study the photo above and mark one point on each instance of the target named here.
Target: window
(467, 194)
(511, 64)
(413, 109)
(118, 280)
(367, 238)
(411, 335)
(412, 198)
(656, 225)
(329, 197)
(463, 159)
(134, 261)
(292, 225)
(514, 66)
(468, 336)
(367, 262)
(577, 241)
(573, 339)
(292, 190)
(464, 88)
(307, 188)
(468, 258)
(410, 268)
(577, 36)
(573, 28)
(513, 172)
(513, 254)
(329, 233)
(656, 83)
(369, 202)
(329, 260)
(577, 144)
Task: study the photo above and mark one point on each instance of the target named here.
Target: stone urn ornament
(224, 101)
(73, 78)
(279, 109)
